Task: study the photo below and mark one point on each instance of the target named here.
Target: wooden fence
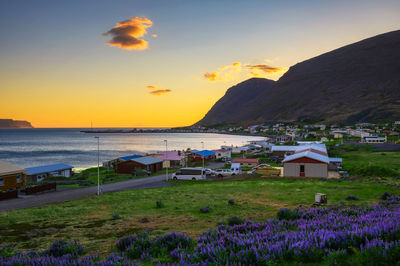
(10, 194)
(40, 188)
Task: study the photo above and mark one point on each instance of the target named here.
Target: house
(11, 176)
(39, 173)
(246, 162)
(112, 163)
(148, 163)
(238, 150)
(358, 133)
(373, 139)
(222, 154)
(338, 134)
(306, 164)
(171, 158)
(285, 150)
(196, 155)
(335, 164)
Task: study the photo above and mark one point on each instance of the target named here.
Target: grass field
(98, 222)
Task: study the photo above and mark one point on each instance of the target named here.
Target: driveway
(61, 195)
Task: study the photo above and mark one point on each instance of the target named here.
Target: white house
(223, 153)
(373, 139)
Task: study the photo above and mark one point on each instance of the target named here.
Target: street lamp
(98, 165)
(166, 160)
(202, 146)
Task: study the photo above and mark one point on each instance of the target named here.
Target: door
(302, 170)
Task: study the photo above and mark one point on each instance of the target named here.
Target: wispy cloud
(233, 71)
(127, 34)
(224, 73)
(155, 90)
(261, 70)
(160, 92)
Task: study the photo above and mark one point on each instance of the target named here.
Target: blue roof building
(129, 157)
(38, 173)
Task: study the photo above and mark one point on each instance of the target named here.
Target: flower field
(340, 235)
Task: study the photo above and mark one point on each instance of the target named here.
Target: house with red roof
(246, 162)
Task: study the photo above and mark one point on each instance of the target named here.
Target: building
(171, 158)
(285, 150)
(112, 163)
(148, 163)
(246, 162)
(222, 154)
(39, 173)
(11, 176)
(373, 139)
(306, 164)
(196, 155)
(338, 134)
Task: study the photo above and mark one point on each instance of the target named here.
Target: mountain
(359, 82)
(9, 123)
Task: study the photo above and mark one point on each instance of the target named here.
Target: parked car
(224, 172)
(190, 174)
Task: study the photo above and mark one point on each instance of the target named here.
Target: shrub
(385, 195)
(159, 204)
(287, 214)
(234, 220)
(63, 247)
(205, 209)
(7, 251)
(352, 197)
(115, 216)
(231, 201)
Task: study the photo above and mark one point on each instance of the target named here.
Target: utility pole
(202, 146)
(98, 165)
(166, 160)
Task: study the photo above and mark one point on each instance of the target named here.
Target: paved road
(50, 197)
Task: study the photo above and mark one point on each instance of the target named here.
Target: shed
(38, 173)
(306, 164)
(11, 176)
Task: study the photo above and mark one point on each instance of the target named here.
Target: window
(1, 181)
(19, 179)
(301, 168)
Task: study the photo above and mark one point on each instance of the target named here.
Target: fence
(10, 194)
(40, 188)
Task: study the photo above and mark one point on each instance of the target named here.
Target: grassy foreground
(98, 222)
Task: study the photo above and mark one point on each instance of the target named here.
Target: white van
(235, 168)
(189, 174)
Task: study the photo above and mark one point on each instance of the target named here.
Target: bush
(385, 195)
(159, 204)
(287, 214)
(352, 197)
(231, 201)
(7, 251)
(205, 209)
(62, 247)
(234, 220)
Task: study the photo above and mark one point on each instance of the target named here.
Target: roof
(283, 148)
(48, 168)
(146, 160)
(335, 160)
(373, 137)
(129, 157)
(9, 169)
(203, 153)
(169, 156)
(245, 160)
(313, 150)
(308, 154)
(235, 164)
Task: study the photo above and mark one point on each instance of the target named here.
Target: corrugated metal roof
(335, 160)
(146, 160)
(203, 153)
(308, 154)
(48, 168)
(9, 169)
(129, 157)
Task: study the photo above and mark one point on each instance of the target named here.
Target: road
(60, 195)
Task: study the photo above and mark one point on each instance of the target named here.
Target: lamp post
(202, 146)
(166, 160)
(98, 165)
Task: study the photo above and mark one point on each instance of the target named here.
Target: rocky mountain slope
(357, 82)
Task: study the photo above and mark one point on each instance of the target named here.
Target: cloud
(127, 34)
(261, 70)
(160, 92)
(224, 73)
(152, 87)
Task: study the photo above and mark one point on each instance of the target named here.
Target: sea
(38, 146)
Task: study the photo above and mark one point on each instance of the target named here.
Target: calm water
(31, 147)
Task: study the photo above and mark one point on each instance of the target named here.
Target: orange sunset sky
(160, 63)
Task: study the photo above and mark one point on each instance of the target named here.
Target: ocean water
(32, 147)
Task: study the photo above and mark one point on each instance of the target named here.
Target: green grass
(90, 219)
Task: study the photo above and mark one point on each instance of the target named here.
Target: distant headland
(10, 123)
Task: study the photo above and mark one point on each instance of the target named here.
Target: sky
(120, 63)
